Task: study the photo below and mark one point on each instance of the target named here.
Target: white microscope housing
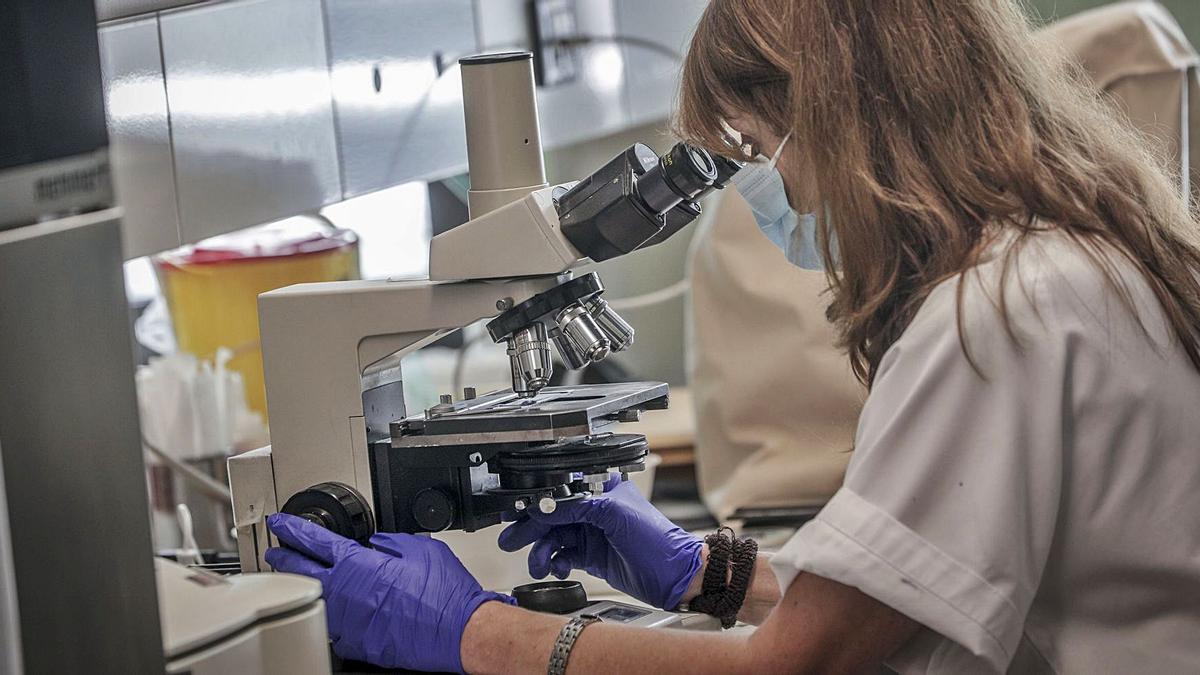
(346, 453)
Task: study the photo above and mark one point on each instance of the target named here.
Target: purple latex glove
(402, 604)
(619, 537)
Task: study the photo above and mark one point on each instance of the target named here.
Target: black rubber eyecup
(552, 597)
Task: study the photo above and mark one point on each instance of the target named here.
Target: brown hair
(924, 124)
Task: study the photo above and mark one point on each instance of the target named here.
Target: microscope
(345, 452)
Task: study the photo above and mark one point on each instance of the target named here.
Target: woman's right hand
(619, 537)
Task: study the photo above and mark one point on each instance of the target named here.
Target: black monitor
(53, 142)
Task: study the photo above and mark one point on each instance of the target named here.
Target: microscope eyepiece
(638, 199)
(690, 170)
(726, 168)
(682, 174)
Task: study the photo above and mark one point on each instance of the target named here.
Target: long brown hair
(923, 125)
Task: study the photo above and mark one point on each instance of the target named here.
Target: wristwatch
(566, 641)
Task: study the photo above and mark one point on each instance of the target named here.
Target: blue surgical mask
(761, 185)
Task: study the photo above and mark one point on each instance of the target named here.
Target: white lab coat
(1043, 516)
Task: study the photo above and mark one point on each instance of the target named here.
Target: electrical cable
(666, 294)
(444, 62)
(630, 40)
(681, 287)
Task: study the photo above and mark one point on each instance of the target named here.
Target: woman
(1016, 283)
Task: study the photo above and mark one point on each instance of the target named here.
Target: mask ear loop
(779, 151)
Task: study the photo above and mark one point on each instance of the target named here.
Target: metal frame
(555, 413)
(74, 489)
(10, 613)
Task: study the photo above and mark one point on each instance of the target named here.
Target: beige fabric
(776, 404)
(1139, 56)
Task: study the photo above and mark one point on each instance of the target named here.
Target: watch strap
(566, 642)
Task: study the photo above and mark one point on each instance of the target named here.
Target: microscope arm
(326, 346)
(331, 358)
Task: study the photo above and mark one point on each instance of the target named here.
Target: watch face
(621, 614)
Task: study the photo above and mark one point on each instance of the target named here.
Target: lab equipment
(345, 452)
(55, 146)
(429, 595)
(71, 456)
(76, 580)
(245, 624)
(568, 598)
(618, 537)
(189, 552)
(193, 409)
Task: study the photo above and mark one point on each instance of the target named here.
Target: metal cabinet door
(398, 118)
(135, 98)
(652, 75)
(74, 482)
(107, 10)
(594, 104)
(251, 113)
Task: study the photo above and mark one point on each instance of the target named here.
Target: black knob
(336, 507)
(554, 597)
(433, 510)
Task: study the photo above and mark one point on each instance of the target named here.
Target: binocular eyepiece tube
(684, 173)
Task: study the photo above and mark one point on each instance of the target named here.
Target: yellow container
(212, 288)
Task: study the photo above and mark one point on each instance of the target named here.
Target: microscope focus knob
(336, 507)
(433, 510)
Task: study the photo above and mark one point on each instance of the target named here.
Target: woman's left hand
(619, 537)
(403, 603)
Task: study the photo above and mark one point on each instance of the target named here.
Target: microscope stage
(555, 413)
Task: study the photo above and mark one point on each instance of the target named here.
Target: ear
(799, 177)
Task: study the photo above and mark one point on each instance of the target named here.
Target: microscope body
(332, 356)
(345, 451)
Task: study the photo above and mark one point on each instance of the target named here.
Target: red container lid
(302, 235)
